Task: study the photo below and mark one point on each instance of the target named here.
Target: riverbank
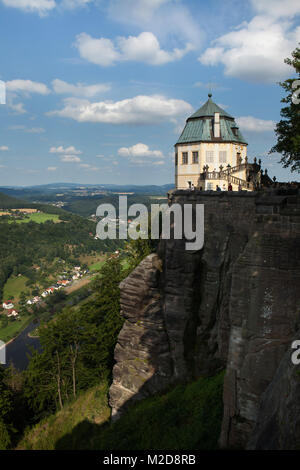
(18, 349)
(14, 328)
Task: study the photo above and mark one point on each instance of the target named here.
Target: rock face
(278, 423)
(142, 354)
(234, 304)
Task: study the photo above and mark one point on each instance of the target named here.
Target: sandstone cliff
(234, 304)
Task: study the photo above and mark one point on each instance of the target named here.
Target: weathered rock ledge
(234, 304)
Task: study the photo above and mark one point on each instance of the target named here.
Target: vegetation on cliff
(186, 417)
(288, 129)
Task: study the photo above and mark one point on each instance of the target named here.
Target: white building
(211, 152)
(7, 305)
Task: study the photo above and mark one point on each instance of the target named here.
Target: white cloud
(66, 151)
(143, 48)
(98, 51)
(256, 50)
(51, 168)
(167, 19)
(85, 165)
(252, 124)
(18, 87)
(141, 154)
(138, 110)
(277, 8)
(27, 86)
(139, 151)
(42, 7)
(146, 48)
(70, 159)
(18, 108)
(3, 148)
(79, 89)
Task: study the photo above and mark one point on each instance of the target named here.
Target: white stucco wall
(191, 171)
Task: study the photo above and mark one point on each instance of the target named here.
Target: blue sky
(98, 90)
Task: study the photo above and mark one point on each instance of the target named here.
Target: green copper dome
(199, 126)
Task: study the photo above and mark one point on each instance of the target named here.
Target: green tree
(77, 346)
(6, 408)
(22, 299)
(288, 129)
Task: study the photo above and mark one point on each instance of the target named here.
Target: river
(17, 351)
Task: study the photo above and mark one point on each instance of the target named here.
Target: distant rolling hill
(35, 192)
(8, 202)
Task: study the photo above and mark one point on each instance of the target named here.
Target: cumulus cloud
(98, 51)
(139, 151)
(3, 148)
(256, 50)
(252, 124)
(79, 89)
(42, 7)
(141, 154)
(141, 109)
(143, 48)
(68, 150)
(70, 159)
(27, 86)
(51, 168)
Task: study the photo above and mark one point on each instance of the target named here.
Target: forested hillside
(24, 245)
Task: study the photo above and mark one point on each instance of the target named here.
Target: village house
(11, 313)
(8, 305)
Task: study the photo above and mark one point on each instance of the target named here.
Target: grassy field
(96, 266)
(39, 218)
(14, 286)
(14, 328)
(187, 417)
